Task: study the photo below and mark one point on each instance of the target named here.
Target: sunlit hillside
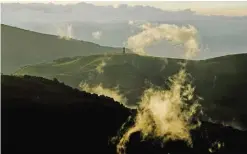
(217, 81)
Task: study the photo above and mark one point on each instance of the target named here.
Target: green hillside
(219, 81)
(22, 47)
(129, 71)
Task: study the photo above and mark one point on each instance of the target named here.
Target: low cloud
(116, 6)
(187, 36)
(100, 90)
(100, 67)
(97, 35)
(170, 113)
(131, 22)
(65, 32)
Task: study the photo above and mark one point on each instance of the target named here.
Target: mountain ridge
(18, 43)
(216, 80)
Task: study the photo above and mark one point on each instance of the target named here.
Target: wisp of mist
(165, 113)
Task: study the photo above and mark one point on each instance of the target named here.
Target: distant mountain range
(44, 116)
(218, 35)
(22, 47)
(217, 80)
(88, 12)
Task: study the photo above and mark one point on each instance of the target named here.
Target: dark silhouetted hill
(22, 47)
(44, 116)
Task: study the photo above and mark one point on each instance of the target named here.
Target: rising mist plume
(233, 123)
(65, 32)
(166, 113)
(100, 90)
(100, 67)
(187, 36)
(97, 35)
(130, 22)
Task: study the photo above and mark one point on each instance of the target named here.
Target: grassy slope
(219, 81)
(22, 47)
(44, 116)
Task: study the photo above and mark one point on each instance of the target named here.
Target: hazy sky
(217, 7)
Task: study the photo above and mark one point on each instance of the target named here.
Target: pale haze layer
(112, 23)
(207, 8)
